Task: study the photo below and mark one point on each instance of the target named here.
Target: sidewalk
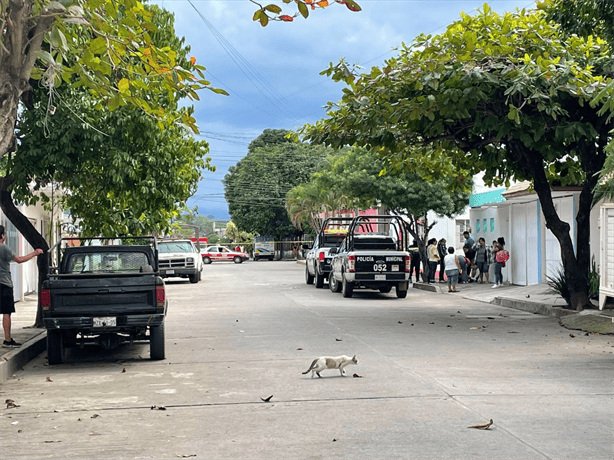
(536, 299)
(32, 340)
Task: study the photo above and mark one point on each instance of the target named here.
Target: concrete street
(430, 366)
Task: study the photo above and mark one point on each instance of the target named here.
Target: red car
(212, 253)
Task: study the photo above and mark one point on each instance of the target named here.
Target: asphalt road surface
(430, 366)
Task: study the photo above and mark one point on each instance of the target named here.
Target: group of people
(472, 266)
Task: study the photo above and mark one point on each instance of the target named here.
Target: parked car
(211, 253)
(263, 253)
(179, 258)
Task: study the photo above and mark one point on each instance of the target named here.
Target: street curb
(428, 287)
(19, 357)
(532, 307)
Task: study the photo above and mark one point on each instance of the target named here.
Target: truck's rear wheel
(55, 347)
(308, 276)
(333, 284)
(401, 294)
(156, 342)
(347, 288)
(319, 280)
(385, 289)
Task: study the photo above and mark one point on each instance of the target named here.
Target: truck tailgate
(370, 264)
(91, 296)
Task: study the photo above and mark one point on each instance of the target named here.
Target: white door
(518, 246)
(606, 282)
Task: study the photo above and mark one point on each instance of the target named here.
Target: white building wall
(25, 276)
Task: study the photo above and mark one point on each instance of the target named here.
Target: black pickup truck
(104, 294)
(373, 255)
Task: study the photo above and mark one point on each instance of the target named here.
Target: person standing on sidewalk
(452, 269)
(482, 259)
(500, 259)
(433, 259)
(469, 241)
(7, 302)
(414, 252)
(443, 251)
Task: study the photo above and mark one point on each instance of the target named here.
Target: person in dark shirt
(414, 252)
(7, 302)
(443, 252)
(470, 255)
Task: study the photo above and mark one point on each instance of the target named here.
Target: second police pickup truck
(317, 263)
(373, 255)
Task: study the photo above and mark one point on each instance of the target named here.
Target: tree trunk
(29, 232)
(575, 268)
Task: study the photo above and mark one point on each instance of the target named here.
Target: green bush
(593, 282)
(558, 284)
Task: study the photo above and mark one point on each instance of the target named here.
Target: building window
(485, 225)
(492, 225)
(477, 226)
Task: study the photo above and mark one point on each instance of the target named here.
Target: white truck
(179, 258)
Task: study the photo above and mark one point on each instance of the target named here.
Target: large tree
(360, 176)
(256, 187)
(106, 48)
(505, 94)
(119, 172)
(589, 18)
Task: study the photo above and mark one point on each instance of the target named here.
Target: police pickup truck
(317, 261)
(373, 255)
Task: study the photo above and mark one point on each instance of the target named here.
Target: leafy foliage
(507, 94)
(273, 12)
(558, 284)
(355, 179)
(256, 187)
(121, 173)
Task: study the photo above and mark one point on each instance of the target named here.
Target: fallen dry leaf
(339, 340)
(485, 426)
(267, 399)
(49, 379)
(356, 376)
(158, 408)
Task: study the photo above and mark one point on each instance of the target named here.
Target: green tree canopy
(256, 187)
(357, 176)
(505, 94)
(119, 172)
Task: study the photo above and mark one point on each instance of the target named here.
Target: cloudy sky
(272, 73)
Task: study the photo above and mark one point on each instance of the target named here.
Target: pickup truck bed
(104, 295)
